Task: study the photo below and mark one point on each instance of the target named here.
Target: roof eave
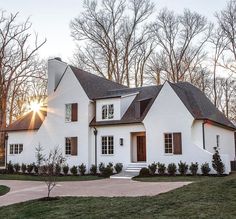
(218, 124)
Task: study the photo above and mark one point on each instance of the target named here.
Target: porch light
(6, 136)
(121, 141)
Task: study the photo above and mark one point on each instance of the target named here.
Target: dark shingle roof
(199, 105)
(30, 121)
(99, 88)
(93, 85)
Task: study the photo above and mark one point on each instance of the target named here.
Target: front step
(135, 167)
(131, 171)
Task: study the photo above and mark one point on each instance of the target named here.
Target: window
(11, 149)
(108, 111)
(71, 145)
(168, 143)
(20, 148)
(71, 112)
(217, 140)
(16, 148)
(173, 143)
(107, 145)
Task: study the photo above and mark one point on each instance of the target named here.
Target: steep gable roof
(100, 88)
(30, 121)
(93, 85)
(199, 105)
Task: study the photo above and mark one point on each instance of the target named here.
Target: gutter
(95, 132)
(203, 134)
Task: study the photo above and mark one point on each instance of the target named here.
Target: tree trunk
(2, 126)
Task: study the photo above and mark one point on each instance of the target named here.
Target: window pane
(16, 149)
(68, 146)
(11, 148)
(104, 145)
(111, 111)
(68, 112)
(20, 148)
(168, 143)
(104, 112)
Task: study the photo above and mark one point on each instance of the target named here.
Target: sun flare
(35, 106)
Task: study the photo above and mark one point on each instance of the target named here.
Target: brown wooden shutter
(74, 145)
(74, 112)
(177, 140)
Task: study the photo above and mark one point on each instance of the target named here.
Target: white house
(95, 120)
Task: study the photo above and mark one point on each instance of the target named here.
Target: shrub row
(172, 169)
(105, 170)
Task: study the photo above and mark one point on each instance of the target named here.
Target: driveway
(28, 190)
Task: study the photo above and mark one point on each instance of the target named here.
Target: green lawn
(178, 178)
(4, 190)
(39, 178)
(214, 197)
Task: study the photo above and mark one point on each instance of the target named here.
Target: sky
(51, 19)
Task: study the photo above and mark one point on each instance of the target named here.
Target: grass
(28, 177)
(177, 178)
(214, 197)
(4, 190)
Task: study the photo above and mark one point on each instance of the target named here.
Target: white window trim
(14, 145)
(68, 121)
(67, 155)
(107, 113)
(168, 154)
(107, 145)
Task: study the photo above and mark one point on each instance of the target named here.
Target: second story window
(108, 111)
(71, 112)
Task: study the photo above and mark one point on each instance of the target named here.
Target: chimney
(56, 68)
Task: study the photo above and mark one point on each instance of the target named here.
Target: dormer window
(108, 111)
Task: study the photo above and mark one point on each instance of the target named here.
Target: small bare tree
(49, 164)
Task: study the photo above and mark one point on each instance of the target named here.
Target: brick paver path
(28, 190)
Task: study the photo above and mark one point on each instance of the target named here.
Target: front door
(141, 148)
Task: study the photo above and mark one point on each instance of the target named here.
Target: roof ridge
(103, 78)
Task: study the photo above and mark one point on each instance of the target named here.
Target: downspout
(95, 132)
(6, 146)
(203, 134)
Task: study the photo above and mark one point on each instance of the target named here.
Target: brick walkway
(28, 190)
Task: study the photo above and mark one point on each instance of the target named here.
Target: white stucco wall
(25, 138)
(54, 129)
(226, 141)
